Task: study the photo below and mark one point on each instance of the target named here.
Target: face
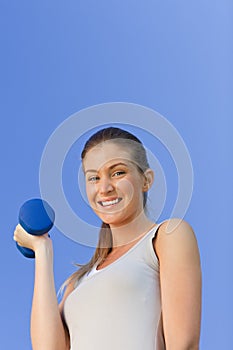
(114, 185)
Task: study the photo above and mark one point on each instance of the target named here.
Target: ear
(148, 179)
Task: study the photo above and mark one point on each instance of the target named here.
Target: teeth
(110, 202)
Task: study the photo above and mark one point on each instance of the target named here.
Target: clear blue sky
(175, 57)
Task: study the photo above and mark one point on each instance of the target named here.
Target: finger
(17, 241)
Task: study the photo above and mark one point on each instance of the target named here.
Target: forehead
(106, 154)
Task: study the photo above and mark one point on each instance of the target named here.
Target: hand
(24, 239)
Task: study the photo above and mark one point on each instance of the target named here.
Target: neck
(129, 232)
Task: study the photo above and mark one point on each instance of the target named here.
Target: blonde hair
(139, 157)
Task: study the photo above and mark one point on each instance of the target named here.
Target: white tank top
(119, 307)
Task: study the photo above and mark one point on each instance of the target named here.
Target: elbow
(60, 347)
(191, 347)
(192, 343)
(184, 345)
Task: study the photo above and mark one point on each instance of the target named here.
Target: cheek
(126, 188)
(90, 191)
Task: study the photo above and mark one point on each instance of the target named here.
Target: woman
(142, 287)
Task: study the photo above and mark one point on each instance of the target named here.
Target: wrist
(44, 249)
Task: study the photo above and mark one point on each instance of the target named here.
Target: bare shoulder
(175, 226)
(175, 236)
(181, 283)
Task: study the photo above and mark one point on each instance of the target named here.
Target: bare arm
(47, 329)
(180, 275)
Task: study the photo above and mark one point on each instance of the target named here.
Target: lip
(110, 199)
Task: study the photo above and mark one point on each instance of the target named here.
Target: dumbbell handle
(36, 217)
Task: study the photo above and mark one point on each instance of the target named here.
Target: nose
(105, 185)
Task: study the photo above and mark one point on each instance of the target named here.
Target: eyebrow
(111, 167)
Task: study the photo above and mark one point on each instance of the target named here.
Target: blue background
(175, 57)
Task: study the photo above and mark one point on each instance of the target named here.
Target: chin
(111, 220)
(116, 218)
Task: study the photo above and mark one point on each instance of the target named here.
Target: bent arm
(180, 277)
(47, 329)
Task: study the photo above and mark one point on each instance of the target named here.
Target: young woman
(142, 287)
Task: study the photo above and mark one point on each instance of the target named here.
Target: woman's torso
(119, 306)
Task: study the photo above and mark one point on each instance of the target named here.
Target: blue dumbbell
(37, 218)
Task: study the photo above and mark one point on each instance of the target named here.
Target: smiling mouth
(110, 203)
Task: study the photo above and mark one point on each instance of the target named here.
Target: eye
(118, 173)
(93, 179)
